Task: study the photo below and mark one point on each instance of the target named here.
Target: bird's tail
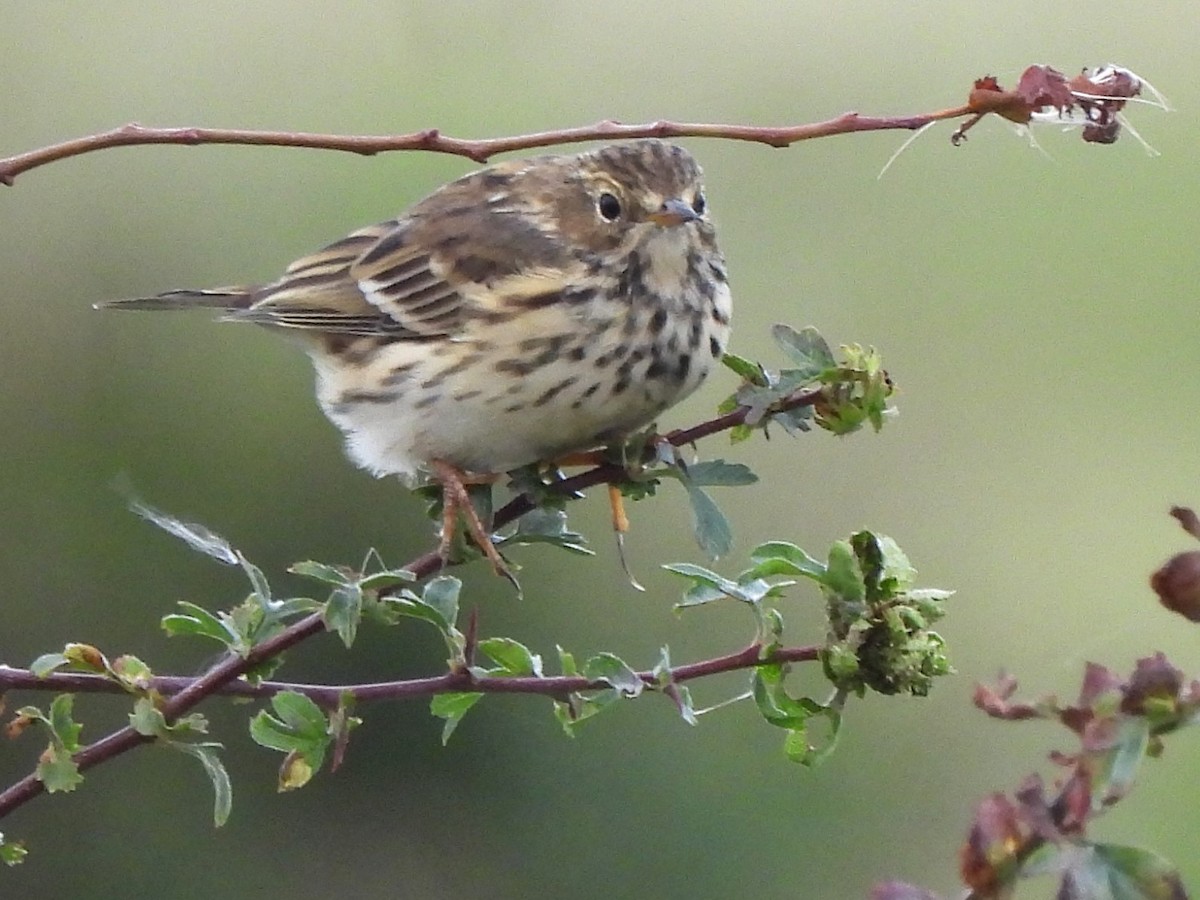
(229, 299)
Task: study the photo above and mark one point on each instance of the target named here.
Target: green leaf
(298, 725)
(777, 706)
(12, 853)
(566, 662)
(782, 558)
(66, 730)
(322, 572)
(452, 707)
(215, 770)
(613, 670)
(389, 578)
(806, 348)
(512, 657)
(718, 473)
(300, 730)
(132, 673)
(843, 577)
(707, 585)
(1118, 767)
(683, 702)
(147, 719)
(709, 524)
(744, 368)
(794, 715)
(195, 620)
(1113, 872)
(258, 581)
(47, 663)
(441, 595)
(581, 707)
(57, 770)
(548, 525)
(886, 569)
(300, 713)
(343, 611)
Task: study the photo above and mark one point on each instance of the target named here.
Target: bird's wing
(424, 274)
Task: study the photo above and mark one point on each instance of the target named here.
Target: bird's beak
(674, 212)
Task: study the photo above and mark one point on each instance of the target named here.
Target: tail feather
(229, 299)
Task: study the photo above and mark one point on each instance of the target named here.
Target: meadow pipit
(525, 311)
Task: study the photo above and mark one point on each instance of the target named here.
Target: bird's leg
(616, 501)
(456, 499)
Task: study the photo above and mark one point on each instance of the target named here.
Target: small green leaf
(707, 585)
(709, 524)
(566, 662)
(1115, 872)
(298, 728)
(12, 853)
(147, 719)
(843, 577)
(132, 672)
(1114, 775)
(47, 663)
(682, 697)
(783, 558)
(548, 525)
(389, 578)
(581, 707)
(615, 671)
(807, 349)
(57, 770)
(718, 473)
(195, 620)
(739, 433)
(86, 657)
(744, 368)
(512, 657)
(300, 713)
(215, 770)
(258, 581)
(452, 707)
(441, 594)
(343, 611)
(66, 729)
(298, 724)
(322, 572)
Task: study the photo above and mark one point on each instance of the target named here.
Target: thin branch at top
(481, 150)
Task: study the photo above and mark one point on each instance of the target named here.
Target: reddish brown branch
(329, 696)
(223, 676)
(479, 150)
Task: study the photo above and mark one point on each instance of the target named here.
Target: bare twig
(480, 150)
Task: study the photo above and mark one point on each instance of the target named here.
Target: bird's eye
(699, 203)
(608, 206)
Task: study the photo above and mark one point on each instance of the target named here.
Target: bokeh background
(1039, 313)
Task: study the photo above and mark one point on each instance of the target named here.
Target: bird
(530, 310)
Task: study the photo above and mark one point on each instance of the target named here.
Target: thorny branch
(223, 676)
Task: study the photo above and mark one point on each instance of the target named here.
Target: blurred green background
(1039, 315)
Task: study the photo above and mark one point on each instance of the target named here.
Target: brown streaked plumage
(528, 310)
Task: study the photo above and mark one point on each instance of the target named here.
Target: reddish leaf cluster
(1177, 582)
(1092, 98)
(1156, 691)
(1119, 722)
